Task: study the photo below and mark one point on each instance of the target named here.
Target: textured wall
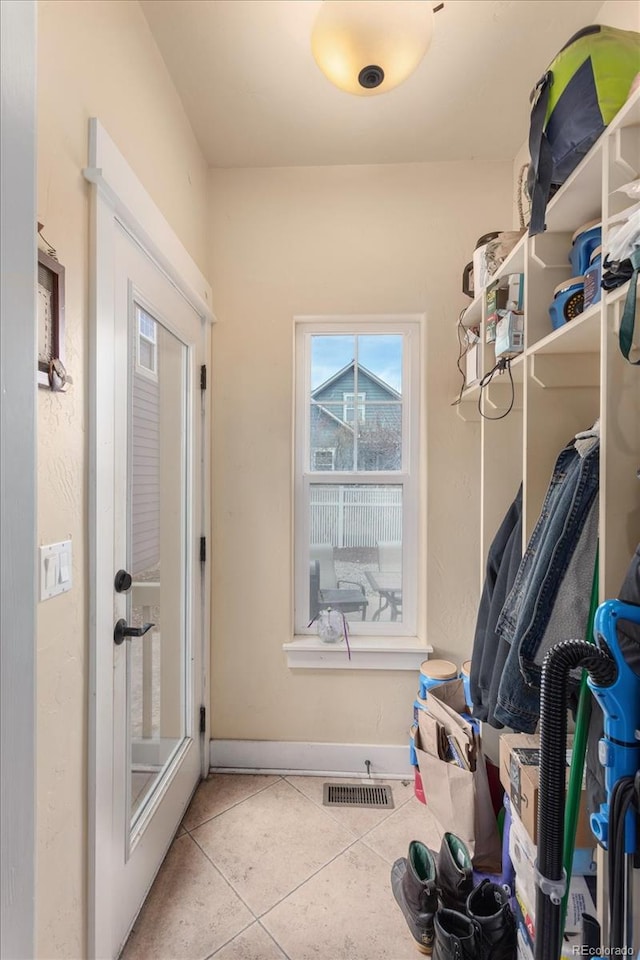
(95, 59)
(333, 240)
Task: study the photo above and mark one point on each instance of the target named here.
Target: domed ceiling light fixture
(366, 47)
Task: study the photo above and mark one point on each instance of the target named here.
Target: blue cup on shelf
(583, 243)
(568, 301)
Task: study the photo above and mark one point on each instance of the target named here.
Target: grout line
(236, 804)
(230, 940)
(271, 936)
(310, 877)
(226, 880)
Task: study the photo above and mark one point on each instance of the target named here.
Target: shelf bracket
(625, 152)
(560, 370)
(498, 394)
(550, 250)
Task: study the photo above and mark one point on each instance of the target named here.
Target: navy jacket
(489, 651)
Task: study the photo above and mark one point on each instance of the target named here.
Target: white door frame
(117, 196)
(18, 366)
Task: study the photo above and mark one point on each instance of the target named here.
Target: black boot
(457, 937)
(455, 874)
(488, 906)
(413, 881)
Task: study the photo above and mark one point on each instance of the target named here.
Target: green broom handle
(574, 791)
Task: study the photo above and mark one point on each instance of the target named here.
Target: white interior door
(159, 343)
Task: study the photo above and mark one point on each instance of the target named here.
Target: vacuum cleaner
(613, 668)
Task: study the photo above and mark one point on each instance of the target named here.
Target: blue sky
(379, 353)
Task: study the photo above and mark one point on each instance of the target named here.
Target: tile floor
(260, 870)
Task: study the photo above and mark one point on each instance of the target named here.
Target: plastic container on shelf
(433, 673)
(465, 676)
(418, 704)
(583, 243)
(413, 756)
(568, 301)
(592, 279)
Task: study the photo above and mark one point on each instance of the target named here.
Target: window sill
(367, 653)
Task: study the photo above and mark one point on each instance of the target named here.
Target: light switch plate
(55, 569)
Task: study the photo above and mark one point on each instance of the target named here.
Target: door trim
(118, 197)
(18, 416)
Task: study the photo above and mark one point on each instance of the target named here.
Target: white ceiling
(256, 98)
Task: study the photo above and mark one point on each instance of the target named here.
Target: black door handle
(122, 630)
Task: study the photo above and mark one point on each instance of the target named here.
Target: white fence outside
(355, 516)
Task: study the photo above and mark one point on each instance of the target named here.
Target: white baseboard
(291, 757)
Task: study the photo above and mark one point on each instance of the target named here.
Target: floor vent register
(356, 795)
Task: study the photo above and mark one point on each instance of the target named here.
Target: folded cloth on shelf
(527, 611)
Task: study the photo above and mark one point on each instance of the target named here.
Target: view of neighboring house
(355, 422)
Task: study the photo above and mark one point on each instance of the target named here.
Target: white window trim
(388, 643)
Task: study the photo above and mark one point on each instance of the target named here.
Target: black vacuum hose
(558, 662)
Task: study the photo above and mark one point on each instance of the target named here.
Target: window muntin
(356, 528)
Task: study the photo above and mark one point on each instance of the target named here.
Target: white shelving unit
(567, 377)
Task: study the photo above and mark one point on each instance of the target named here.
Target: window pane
(355, 550)
(146, 354)
(380, 437)
(381, 355)
(329, 431)
(329, 356)
(147, 325)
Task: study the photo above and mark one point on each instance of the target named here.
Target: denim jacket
(527, 610)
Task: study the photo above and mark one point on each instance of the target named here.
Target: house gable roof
(362, 371)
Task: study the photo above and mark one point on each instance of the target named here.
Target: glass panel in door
(157, 531)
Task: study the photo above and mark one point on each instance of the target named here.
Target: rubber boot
(455, 874)
(457, 937)
(413, 881)
(488, 906)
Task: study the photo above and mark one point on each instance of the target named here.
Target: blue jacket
(503, 560)
(527, 610)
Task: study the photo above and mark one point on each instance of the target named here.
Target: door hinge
(203, 549)
(203, 377)
(203, 719)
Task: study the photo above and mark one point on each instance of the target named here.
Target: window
(349, 405)
(324, 459)
(356, 507)
(147, 346)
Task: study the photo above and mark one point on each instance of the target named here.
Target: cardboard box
(520, 776)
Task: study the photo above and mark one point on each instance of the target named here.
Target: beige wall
(370, 239)
(95, 59)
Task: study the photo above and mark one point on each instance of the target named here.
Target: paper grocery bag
(462, 732)
(459, 798)
(451, 693)
(461, 803)
(433, 736)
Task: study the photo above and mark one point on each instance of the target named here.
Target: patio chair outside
(347, 596)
